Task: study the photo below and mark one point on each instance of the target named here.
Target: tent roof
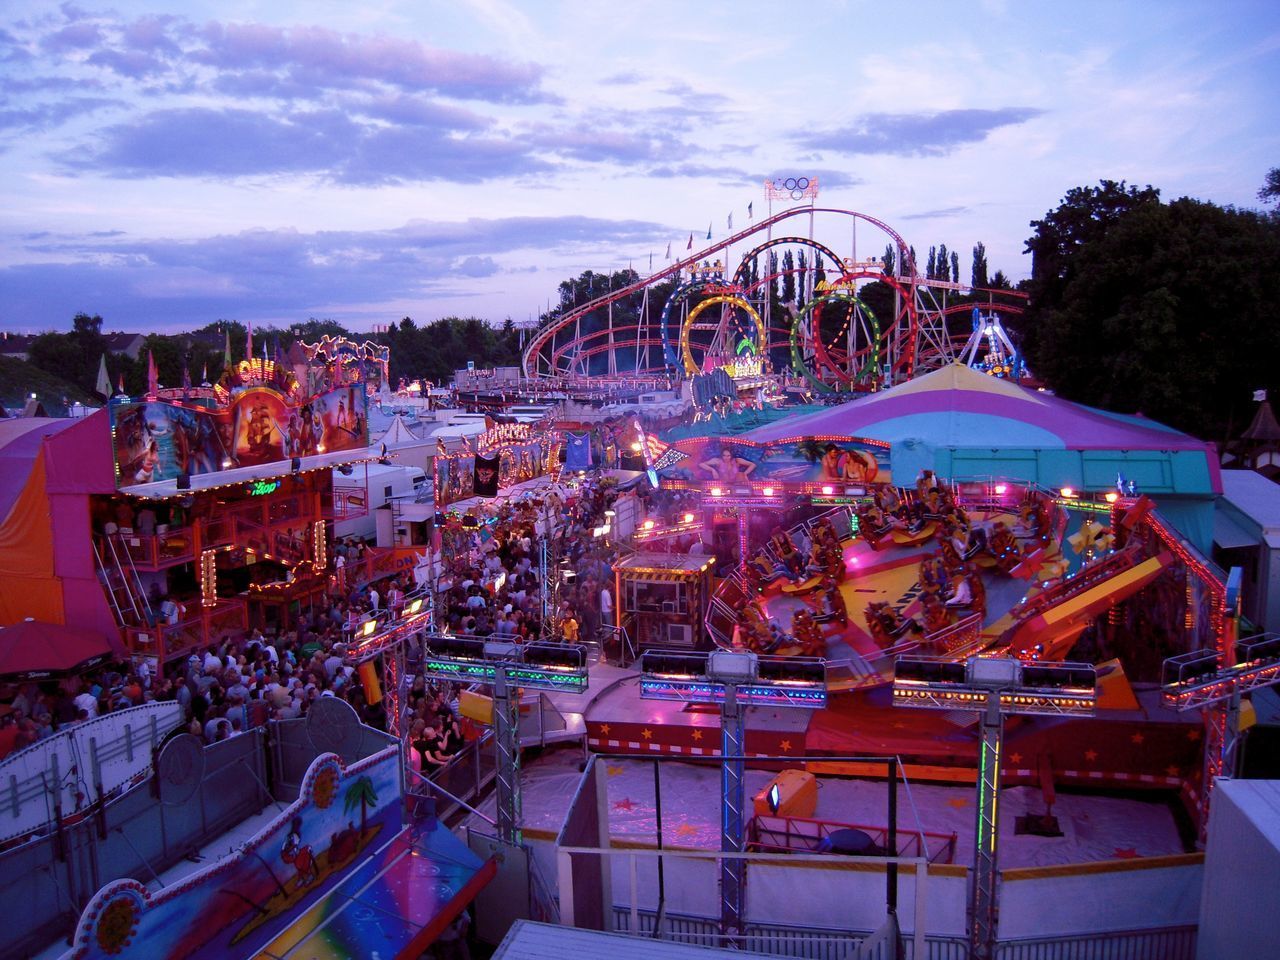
(32, 649)
(1264, 425)
(967, 425)
(397, 433)
(956, 407)
(20, 442)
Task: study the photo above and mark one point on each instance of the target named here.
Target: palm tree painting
(362, 794)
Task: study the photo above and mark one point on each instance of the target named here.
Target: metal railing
(1160, 943)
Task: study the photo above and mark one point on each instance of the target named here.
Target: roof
(1264, 425)
(966, 425)
(397, 433)
(530, 940)
(1259, 801)
(20, 442)
(167, 489)
(1254, 496)
(34, 650)
(669, 562)
(120, 342)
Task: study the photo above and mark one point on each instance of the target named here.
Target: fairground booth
(184, 515)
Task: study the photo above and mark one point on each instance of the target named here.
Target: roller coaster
(697, 314)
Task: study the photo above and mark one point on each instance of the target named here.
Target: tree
(1163, 309)
(955, 267)
(360, 794)
(978, 277)
(931, 271)
(1270, 192)
(802, 277)
(788, 277)
(889, 259)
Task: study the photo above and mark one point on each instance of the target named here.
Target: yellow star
(1091, 755)
(958, 802)
(1171, 770)
(1193, 735)
(1015, 758)
(647, 734)
(686, 830)
(786, 745)
(612, 770)
(697, 734)
(1136, 739)
(604, 729)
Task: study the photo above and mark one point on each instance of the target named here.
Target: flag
(485, 483)
(248, 340)
(730, 220)
(708, 231)
(690, 246)
(186, 377)
(104, 382)
(122, 383)
(1260, 396)
(651, 261)
(226, 352)
(153, 375)
(204, 376)
(668, 249)
(750, 205)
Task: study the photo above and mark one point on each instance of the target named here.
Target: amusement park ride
(713, 312)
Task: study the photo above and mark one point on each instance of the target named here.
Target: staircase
(120, 579)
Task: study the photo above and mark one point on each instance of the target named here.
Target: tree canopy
(1164, 309)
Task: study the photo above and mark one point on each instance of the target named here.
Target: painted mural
(158, 440)
(806, 461)
(238, 905)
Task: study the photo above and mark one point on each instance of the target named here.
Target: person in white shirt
(87, 702)
(962, 596)
(212, 664)
(606, 607)
(374, 599)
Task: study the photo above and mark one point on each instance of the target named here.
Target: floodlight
(732, 666)
(994, 672)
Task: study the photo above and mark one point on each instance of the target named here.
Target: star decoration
(626, 804)
(1193, 735)
(1171, 770)
(1091, 755)
(1137, 739)
(686, 830)
(647, 734)
(786, 745)
(697, 734)
(612, 770)
(958, 802)
(1125, 853)
(1015, 758)
(604, 729)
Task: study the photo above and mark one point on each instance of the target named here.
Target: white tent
(396, 434)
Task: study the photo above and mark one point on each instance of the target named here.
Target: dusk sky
(170, 164)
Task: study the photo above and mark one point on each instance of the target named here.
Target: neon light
(261, 488)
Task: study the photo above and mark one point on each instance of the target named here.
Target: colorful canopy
(31, 650)
(967, 425)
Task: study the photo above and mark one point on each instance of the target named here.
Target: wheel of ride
(850, 355)
(737, 328)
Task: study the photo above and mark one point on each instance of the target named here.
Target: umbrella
(33, 650)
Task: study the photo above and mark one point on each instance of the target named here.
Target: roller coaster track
(533, 352)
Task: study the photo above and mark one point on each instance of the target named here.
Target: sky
(167, 165)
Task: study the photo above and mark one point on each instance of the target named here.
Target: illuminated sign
(504, 433)
(750, 366)
(261, 488)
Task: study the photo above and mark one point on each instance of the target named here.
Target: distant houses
(18, 345)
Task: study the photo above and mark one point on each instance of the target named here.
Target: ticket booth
(662, 599)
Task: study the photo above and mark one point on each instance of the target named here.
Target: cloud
(916, 134)
(334, 144)
(937, 214)
(700, 170)
(48, 115)
(76, 36)
(621, 79)
(266, 274)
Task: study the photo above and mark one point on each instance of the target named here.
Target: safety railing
(205, 626)
(1160, 943)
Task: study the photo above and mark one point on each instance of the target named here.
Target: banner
(577, 447)
(486, 476)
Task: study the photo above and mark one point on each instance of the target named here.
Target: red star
(1171, 770)
(626, 804)
(786, 746)
(1137, 739)
(647, 734)
(1015, 758)
(697, 734)
(1125, 853)
(604, 729)
(1091, 755)
(1193, 735)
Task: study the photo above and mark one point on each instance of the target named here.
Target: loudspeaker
(295, 464)
(184, 481)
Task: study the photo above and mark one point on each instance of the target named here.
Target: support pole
(732, 800)
(506, 743)
(982, 904)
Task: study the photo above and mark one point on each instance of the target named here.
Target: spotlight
(1067, 493)
(226, 463)
(688, 518)
(648, 524)
(1112, 497)
(767, 491)
(346, 470)
(637, 446)
(295, 464)
(827, 489)
(717, 492)
(1001, 489)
